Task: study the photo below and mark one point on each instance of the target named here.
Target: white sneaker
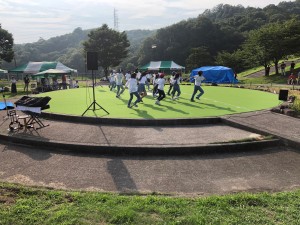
(176, 97)
(157, 102)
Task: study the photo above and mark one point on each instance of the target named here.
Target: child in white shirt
(133, 90)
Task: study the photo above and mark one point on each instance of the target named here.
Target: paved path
(272, 69)
(265, 122)
(274, 169)
(285, 127)
(101, 135)
(265, 169)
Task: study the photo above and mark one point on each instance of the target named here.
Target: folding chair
(14, 119)
(12, 114)
(33, 88)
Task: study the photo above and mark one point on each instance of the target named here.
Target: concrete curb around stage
(287, 141)
(144, 150)
(152, 149)
(132, 122)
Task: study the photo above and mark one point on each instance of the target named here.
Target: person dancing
(198, 79)
(141, 88)
(155, 85)
(133, 90)
(176, 87)
(119, 84)
(160, 88)
(171, 82)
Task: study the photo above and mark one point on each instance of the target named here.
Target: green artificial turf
(216, 101)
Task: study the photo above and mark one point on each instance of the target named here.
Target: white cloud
(30, 19)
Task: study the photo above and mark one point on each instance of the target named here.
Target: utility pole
(116, 20)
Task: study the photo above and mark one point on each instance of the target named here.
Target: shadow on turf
(144, 114)
(218, 107)
(197, 103)
(163, 107)
(100, 90)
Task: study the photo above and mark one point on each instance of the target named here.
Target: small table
(33, 113)
(25, 122)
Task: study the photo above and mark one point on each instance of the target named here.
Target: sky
(30, 20)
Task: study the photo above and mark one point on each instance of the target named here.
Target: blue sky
(28, 20)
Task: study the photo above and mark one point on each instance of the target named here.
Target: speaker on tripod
(283, 95)
(92, 61)
(92, 64)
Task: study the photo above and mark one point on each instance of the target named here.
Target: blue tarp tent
(215, 74)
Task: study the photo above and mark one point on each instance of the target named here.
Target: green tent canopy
(35, 67)
(162, 65)
(3, 71)
(50, 73)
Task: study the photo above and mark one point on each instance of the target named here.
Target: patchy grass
(296, 104)
(23, 205)
(245, 73)
(271, 79)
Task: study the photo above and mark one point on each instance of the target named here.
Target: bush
(296, 105)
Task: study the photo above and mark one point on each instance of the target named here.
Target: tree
(233, 60)
(6, 45)
(199, 56)
(273, 42)
(111, 46)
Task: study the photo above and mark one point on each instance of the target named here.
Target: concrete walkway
(285, 127)
(272, 69)
(275, 169)
(265, 169)
(234, 127)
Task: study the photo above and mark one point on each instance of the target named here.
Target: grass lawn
(271, 79)
(216, 101)
(24, 205)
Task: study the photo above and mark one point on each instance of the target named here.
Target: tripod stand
(3, 95)
(94, 103)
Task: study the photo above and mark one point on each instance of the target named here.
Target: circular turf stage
(216, 101)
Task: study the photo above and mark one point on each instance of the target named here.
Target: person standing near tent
(198, 80)
(64, 81)
(176, 87)
(133, 90)
(160, 88)
(26, 82)
(13, 85)
(71, 85)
